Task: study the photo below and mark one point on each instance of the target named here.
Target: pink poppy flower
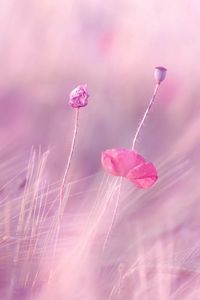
(131, 165)
(79, 96)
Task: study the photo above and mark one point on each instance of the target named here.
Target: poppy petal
(144, 175)
(119, 162)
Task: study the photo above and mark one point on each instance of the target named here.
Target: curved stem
(64, 181)
(145, 115)
(63, 188)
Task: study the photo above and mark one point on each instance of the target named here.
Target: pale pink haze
(131, 165)
(79, 96)
(160, 74)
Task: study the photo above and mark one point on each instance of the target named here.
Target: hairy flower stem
(133, 146)
(145, 115)
(64, 181)
(63, 189)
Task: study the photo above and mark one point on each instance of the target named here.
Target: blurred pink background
(49, 47)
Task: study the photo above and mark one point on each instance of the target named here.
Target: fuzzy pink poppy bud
(79, 96)
(160, 74)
